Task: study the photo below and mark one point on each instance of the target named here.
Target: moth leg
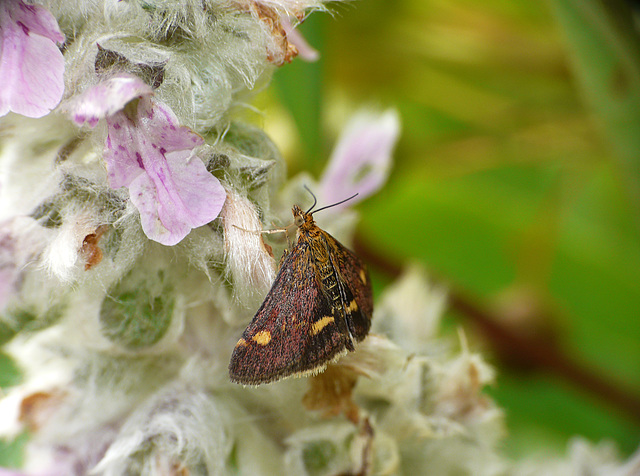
(260, 232)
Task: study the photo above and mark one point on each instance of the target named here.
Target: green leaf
(300, 89)
(602, 38)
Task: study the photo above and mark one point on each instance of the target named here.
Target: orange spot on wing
(320, 324)
(262, 337)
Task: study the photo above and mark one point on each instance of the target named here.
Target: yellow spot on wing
(321, 324)
(241, 343)
(353, 306)
(363, 276)
(262, 337)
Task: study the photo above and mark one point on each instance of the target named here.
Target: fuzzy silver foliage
(124, 343)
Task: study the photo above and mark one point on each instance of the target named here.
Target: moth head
(298, 216)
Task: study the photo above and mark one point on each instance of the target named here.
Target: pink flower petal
(170, 187)
(175, 197)
(305, 51)
(106, 98)
(31, 65)
(361, 160)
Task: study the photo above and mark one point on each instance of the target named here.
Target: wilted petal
(361, 161)
(153, 156)
(31, 65)
(106, 98)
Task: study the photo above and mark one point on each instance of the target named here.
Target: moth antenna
(334, 204)
(315, 200)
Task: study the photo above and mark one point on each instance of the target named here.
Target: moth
(319, 306)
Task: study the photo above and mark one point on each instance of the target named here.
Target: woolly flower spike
(360, 162)
(31, 65)
(149, 152)
(409, 310)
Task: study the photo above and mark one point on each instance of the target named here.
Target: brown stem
(535, 353)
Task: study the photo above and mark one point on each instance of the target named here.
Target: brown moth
(319, 306)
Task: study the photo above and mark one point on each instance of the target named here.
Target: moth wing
(356, 291)
(293, 332)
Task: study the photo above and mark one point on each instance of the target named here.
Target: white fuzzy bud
(249, 264)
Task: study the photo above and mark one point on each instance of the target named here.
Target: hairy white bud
(249, 263)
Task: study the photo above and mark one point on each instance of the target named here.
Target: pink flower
(148, 151)
(31, 65)
(153, 156)
(361, 160)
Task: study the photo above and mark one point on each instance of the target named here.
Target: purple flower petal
(31, 65)
(106, 98)
(305, 51)
(361, 160)
(153, 156)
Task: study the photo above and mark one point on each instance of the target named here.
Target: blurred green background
(516, 182)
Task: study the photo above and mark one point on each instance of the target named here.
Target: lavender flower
(31, 65)
(148, 151)
(170, 186)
